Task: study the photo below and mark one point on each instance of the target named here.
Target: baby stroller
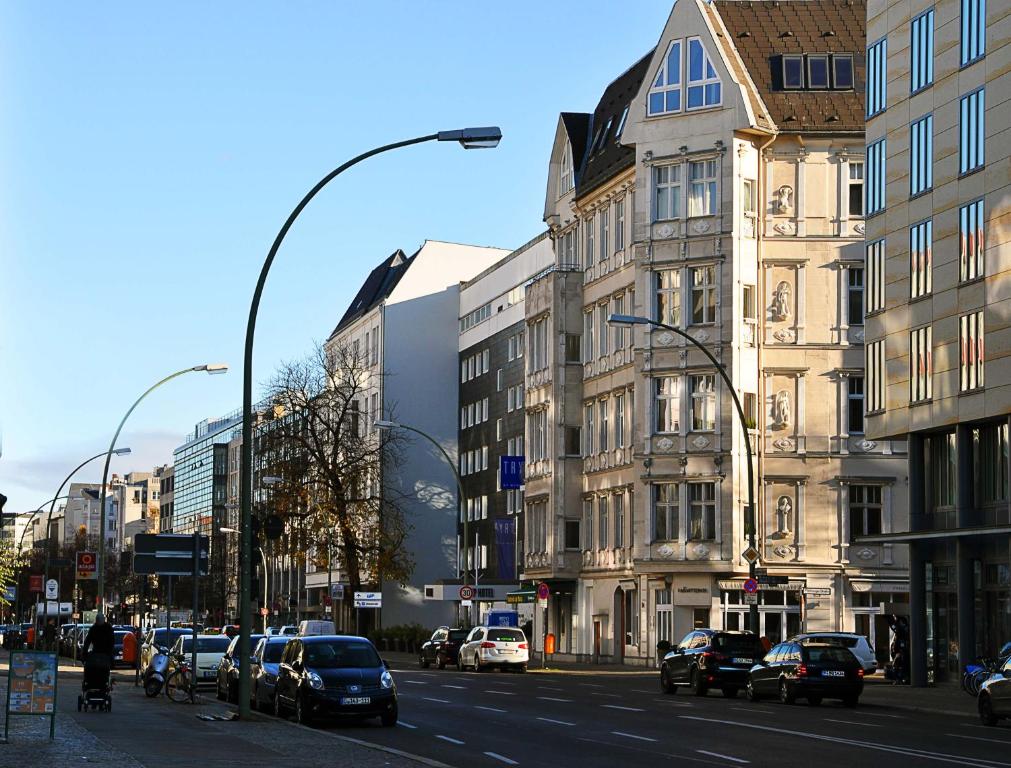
(96, 688)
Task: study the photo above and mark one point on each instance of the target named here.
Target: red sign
(543, 590)
(466, 593)
(87, 566)
(35, 583)
(751, 586)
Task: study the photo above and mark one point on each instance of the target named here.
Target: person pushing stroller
(99, 647)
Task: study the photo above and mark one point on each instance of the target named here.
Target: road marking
(552, 698)
(458, 687)
(450, 739)
(500, 693)
(641, 690)
(851, 722)
(754, 709)
(626, 709)
(722, 757)
(549, 688)
(556, 722)
(503, 682)
(978, 738)
(438, 701)
(503, 758)
(611, 695)
(490, 709)
(406, 725)
(417, 682)
(591, 685)
(632, 736)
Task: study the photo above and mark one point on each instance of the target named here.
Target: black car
(334, 676)
(994, 700)
(159, 640)
(119, 636)
(263, 670)
(812, 671)
(442, 648)
(228, 670)
(710, 658)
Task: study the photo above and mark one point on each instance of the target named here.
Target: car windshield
(273, 652)
(336, 653)
(506, 635)
(839, 642)
(207, 644)
(748, 644)
(832, 654)
(120, 634)
(166, 636)
(459, 635)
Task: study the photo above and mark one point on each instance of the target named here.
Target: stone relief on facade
(781, 301)
(664, 444)
(700, 550)
(700, 226)
(784, 199)
(782, 411)
(785, 335)
(784, 517)
(701, 442)
(665, 550)
(782, 550)
(866, 553)
(665, 339)
(784, 444)
(859, 227)
(702, 336)
(866, 445)
(665, 230)
(786, 228)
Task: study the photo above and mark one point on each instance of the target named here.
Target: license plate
(832, 673)
(354, 700)
(743, 661)
(209, 674)
(506, 650)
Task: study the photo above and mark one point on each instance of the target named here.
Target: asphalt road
(621, 719)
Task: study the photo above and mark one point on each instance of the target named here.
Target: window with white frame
(539, 344)
(602, 522)
(702, 188)
(921, 155)
(666, 192)
(875, 367)
(605, 232)
(874, 260)
(619, 520)
(375, 346)
(865, 510)
(539, 435)
(587, 524)
(619, 420)
(619, 330)
(970, 343)
(590, 241)
(920, 244)
(973, 30)
(971, 137)
(703, 391)
(588, 433)
(665, 93)
(667, 285)
(602, 425)
(748, 197)
(749, 304)
(877, 77)
(602, 330)
(565, 248)
(855, 296)
(667, 404)
(875, 191)
(856, 188)
(920, 364)
(588, 335)
(621, 124)
(703, 294)
(970, 241)
(704, 88)
(619, 225)
(921, 51)
(855, 405)
(701, 511)
(665, 512)
(565, 175)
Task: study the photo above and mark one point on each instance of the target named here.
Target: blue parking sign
(511, 471)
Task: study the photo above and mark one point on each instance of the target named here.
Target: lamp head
(627, 320)
(121, 452)
(271, 480)
(382, 424)
(212, 368)
(474, 138)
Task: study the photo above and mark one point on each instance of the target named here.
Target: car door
(763, 674)
(470, 647)
(284, 691)
(677, 666)
(1000, 691)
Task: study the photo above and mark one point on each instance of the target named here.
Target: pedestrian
(49, 636)
(97, 651)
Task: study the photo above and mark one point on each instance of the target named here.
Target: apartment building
(717, 188)
(937, 263)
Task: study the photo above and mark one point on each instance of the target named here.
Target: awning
(947, 533)
(521, 596)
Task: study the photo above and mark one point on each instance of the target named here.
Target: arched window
(565, 180)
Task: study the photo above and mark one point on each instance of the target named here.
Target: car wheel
(986, 715)
(786, 693)
(730, 693)
(814, 701)
(521, 668)
(459, 663)
(302, 714)
(851, 700)
(698, 685)
(440, 661)
(477, 664)
(389, 719)
(749, 691)
(665, 682)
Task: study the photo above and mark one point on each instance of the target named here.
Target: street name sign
(368, 599)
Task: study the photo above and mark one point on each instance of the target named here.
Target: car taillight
(709, 656)
(802, 670)
(486, 644)
(860, 671)
(522, 645)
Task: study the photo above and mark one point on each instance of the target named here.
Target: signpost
(366, 600)
(751, 586)
(31, 687)
(168, 554)
(818, 591)
(87, 566)
(466, 593)
(766, 580)
(543, 590)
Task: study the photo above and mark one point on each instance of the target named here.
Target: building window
(875, 377)
(665, 512)
(539, 345)
(565, 182)
(748, 196)
(588, 336)
(793, 72)
(619, 421)
(375, 346)
(749, 305)
(572, 347)
(749, 404)
(665, 93)
(920, 366)
(971, 140)
(970, 343)
(865, 510)
(990, 456)
(573, 439)
(876, 177)
(920, 242)
(855, 296)
(602, 441)
(703, 82)
(572, 534)
(539, 435)
(588, 433)
(590, 240)
(701, 511)
(619, 520)
(602, 522)
(970, 241)
(875, 266)
(856, 188)
(921, 155)
(922, 51)
(973, 30)
(702, 188)
(855, 405)
(668, 296)
(602, 330)
(565, 247)
(703, 391)
(842, 71)
(619, 225)
(666, 192)
(605, 232)
(587, 524)
(703, 295)
(877, 77)
(817, 71)
(667, 404)
(619, 331)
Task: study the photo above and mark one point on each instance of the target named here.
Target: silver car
(856, 644)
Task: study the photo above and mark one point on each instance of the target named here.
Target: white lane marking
(406, 725)
(490, 709)
(458, 687)
(552, 698)
(626, 709)
(851, 722)
(500, 693)
(641, 690)
(437, 701)
(549, 688)
(979, 738)
(556, 722)
(723, 757)
(503, 682)
(611, 695)
(450, 739)
(632, 736)
(417, 682)
(754, 709)
(591, 685)
(858, 713)
(503, 758)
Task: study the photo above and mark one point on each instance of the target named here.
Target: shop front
(779, 608)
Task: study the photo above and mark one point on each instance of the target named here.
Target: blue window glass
(704, 88)
(665, 94)
(973, 30)
(695, 58)
(875, 167)
(922, 51)
(921, 145)
(842, 72)
(817, 71)
(793, 72)
(970, 149)
(877, 56)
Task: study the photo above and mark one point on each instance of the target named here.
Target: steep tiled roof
(577, 126)
(763, 30)
(376, 288)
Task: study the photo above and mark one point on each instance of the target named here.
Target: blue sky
(148, 155)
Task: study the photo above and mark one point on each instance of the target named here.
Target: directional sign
(368, 599)
(466, 593)
(773, 581)
(52, 589)
(818, 591)
(750, 586)
(168, 554)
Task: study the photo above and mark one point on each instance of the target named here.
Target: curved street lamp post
(749, 520)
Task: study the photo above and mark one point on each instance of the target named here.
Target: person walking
(49, 636)
(97, 652)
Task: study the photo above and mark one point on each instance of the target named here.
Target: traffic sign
(466, 592)
(543, 590)
(750, 586)
(751, 555)
(751, 598)
(466, 603)
(52, 590)
(773, 581)
(368, 599)
(337, 591)
(35, 583)
(818, 591)
(166, 554)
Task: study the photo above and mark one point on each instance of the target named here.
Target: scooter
(156, 672)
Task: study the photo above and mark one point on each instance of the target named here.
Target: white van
(316, 627)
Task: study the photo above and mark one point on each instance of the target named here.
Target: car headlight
(386, 679)
(315, 681)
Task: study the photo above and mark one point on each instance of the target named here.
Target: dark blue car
(266, 659)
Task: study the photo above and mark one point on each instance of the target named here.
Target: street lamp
(266, 575)
(468, 138)
(210, 368)
(382, 424)
(749, 522)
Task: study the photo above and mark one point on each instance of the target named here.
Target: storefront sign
(691, 590)
(31, 687)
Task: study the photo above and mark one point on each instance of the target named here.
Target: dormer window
(842, 72)
(814, 71)
(565, 181)
(665, 94)
(704, 87)
(793, 72)
(621, 123)
(817, 71)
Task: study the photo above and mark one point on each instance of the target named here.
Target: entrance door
(618, 612)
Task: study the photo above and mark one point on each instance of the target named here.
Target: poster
(31, 687)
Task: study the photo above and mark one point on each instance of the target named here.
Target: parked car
(334, 676)
(118, 637)
(289, 630)
(210, 649)
(442, 647)
(231, 630)
(159, 640)
(858, 645)
(994, 700)
(812, 671)
(263, 670)
(64, 639)
(273, 631)
(316, 627)
(484, 647)
(228, 669)
(80, 633)
(710, 658)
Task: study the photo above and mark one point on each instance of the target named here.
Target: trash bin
(549, 643)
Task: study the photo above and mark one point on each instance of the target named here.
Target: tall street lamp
(211, 368)
(468, 138)
(459, 489)
(749, 520)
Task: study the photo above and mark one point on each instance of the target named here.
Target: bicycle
(180, 685)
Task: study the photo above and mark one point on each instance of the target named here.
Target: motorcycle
(156, 672)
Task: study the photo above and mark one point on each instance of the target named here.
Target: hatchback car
(812, 671)
(856, 644)
(228, 669)
(442, 647)
(263, 671)
(159, 640)
(486, 647)
(994, 700)
(210, 649)
(710, 658)
(334, 676)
